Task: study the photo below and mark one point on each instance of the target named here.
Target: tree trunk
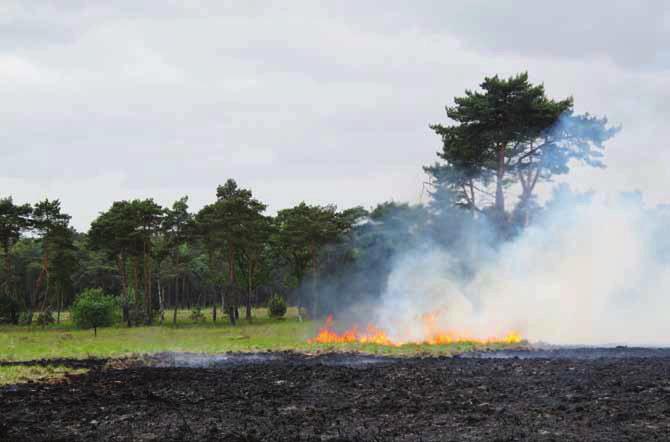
(222, 299)
(183, 291)
(299, 274)
(249, 299)
(136, 278)
(472, 197)
(528, 184)
(214, 305)
(161, 307)
(30, 301)
(175, 288)
(60, 304)
(315, 283)
(45, 306)
(126, 314)
(44, 275)
(147, 285)
(133, 309)
(230, 307)
(8, 269)
(176, 300)
(500, 176)
(249, 289)
(232, 298)
(121, 265)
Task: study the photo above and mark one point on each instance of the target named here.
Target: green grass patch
(21, 343)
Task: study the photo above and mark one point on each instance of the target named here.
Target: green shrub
(45, 318)
(197, 315)
(10, 310)
(93, 309)
(276, 306)
(138, 316)
(26, 318)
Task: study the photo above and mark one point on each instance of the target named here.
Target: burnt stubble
(339, 397)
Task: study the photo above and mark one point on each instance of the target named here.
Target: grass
(35, 373)
(23, 343)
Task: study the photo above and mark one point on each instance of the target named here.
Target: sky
(323, 102)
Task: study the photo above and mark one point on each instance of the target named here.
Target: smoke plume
(587, 271)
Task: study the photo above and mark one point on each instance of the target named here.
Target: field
(65, 341)
(60, 383)
(23, 343)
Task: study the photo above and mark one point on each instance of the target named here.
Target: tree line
(502, 141)
(152, 256)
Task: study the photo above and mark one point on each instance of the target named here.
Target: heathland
(65, 341)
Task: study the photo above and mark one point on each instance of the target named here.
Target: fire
(434, 335)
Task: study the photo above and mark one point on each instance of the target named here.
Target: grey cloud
(321, 102)
(632, 34)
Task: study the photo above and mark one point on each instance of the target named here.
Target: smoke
(588, 271)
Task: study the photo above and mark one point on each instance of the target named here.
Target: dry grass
(35, 373)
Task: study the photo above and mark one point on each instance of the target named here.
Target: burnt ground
(565, 395)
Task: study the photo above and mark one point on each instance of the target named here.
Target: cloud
(317, 102)
(629, 34)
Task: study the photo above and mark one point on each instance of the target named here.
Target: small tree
(10, 310)
(93, 309)
(276, 306)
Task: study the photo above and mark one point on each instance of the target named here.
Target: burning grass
(64, 341)
(433, 334)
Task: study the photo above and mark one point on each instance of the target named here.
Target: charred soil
(339, 397)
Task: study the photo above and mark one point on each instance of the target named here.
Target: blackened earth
(621, 394)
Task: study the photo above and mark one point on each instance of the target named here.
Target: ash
(623, 394)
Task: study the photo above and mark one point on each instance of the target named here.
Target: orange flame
(434, 335)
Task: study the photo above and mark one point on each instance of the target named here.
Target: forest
(500, 145)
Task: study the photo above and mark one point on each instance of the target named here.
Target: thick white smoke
(593, 272)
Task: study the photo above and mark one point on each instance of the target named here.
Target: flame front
(434, 335)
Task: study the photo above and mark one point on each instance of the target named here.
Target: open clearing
(24, 343)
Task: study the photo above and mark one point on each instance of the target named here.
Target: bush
(26, 318)
(45, 318)
(137, 315)
(276, 306)
(93, 309)
(10, 310)
(197, 315)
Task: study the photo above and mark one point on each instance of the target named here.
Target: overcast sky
(327, 102)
